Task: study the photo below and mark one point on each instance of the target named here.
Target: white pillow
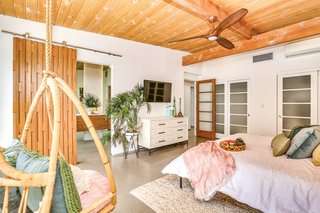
(81, 180)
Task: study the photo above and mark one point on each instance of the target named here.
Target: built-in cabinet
(238, 107)
(231, 108)
(297, 100)
(220, 110)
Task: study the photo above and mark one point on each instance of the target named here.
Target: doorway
(192, 106)
(93, 85)
(189, 103)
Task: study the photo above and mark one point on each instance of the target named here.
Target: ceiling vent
(303, 47)
(263, 57)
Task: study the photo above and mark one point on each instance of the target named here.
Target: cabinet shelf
(299, 89)
(238, 125)
(288, 103)
(296, 117)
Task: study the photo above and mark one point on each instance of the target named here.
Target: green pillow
(30, 164)
(303, 143)
(297, 129)
(280, 145)
(65, 199)
(11, 153)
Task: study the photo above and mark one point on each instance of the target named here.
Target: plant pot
(92, 111)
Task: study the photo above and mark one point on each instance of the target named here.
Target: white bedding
(270, 184)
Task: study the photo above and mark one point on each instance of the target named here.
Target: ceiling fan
(214, 32)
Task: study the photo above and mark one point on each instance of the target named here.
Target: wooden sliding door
(29, 62)
(206, 109)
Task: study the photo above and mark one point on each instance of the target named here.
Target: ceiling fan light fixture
(212, 38)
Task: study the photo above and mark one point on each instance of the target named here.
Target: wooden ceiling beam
(207, 8)
(286, 34)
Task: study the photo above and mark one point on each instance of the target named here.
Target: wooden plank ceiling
(159, 21)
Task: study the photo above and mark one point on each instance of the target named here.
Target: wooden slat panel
(63, 11)
(40, 117)
(84, 11)
(15, 87)
(8, 7)
(1, 8)
(27, 92)
(29, 61)
(31, 9)
(92, 14)
(73, 12)
(20, 8)
(159, 21)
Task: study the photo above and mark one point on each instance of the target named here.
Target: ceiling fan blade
(225, 43)
(231, 20)
(189, 38)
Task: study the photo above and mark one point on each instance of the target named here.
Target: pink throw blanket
(209, 168)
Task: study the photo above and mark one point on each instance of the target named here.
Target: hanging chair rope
(48, 35)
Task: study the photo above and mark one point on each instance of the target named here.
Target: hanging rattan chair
(52, 85)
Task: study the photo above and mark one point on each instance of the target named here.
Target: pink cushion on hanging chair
(99, 188)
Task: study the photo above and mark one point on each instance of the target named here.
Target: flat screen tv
(156, 91)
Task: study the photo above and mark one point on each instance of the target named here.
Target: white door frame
(219, 135)
(227, 83)
(228, 101)
(314, 96)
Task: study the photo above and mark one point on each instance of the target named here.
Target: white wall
(6, 90)
(263, 81)
(140, 61)
(192, 72)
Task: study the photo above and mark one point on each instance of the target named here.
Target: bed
(270, 184)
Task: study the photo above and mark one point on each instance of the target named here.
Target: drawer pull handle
(179, 130)
(161, 133)
(162, 124)
(180, 137)
(180, 122)
(162, 141)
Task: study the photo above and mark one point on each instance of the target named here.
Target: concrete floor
(131, 173)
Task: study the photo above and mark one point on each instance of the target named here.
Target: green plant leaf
(123, 109)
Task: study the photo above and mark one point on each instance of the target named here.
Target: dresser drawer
(180, 138)
(158, 142)
(179, 122)
(160, 132)
(160, 124)
(179, 130)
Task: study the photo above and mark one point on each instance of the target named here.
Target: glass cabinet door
(220, 110)
(297, 101)
(238, 107)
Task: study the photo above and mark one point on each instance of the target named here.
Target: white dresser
(162, 131)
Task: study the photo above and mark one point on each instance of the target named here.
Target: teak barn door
(28, 64)
(206, 108)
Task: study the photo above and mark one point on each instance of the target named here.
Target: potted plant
(123, 110)
(91, 101)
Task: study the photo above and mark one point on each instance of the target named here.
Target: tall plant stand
(131, 137)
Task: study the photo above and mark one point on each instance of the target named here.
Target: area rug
(164, 196)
